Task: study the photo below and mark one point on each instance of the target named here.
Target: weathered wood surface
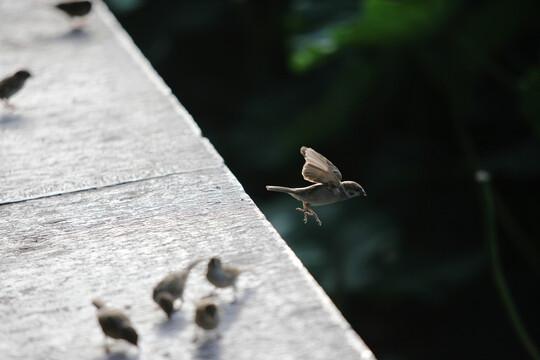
(141, 193)
(93, 114)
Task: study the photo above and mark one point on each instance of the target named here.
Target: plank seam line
(127, 182)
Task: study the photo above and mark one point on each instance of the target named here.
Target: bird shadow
(171, 326)
(75, 34)
(233, 310)
(208, 349)
(11, 120)
(121, 355)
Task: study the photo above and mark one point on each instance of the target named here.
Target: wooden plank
(95, 116)
(117, 243)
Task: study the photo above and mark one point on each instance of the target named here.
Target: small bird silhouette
(11, 84)
(328, 187)
(76, 9)
(115, 324)
(207, 316)
(171, 288)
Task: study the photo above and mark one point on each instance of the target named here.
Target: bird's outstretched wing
(319, 169)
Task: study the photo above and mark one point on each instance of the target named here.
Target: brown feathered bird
(207, 316)
(222, 275)
(115, 324)
(11, 84)
(328, 187)
(171, 288)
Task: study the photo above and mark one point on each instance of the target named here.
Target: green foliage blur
(407, 97)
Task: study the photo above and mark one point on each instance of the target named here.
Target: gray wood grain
(140, 193)
(116, 243)
(93, 114)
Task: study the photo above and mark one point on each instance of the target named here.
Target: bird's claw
(316, 218)
(310, 212)
(305, 214)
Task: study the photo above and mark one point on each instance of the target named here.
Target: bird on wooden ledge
(207, 317)
(171, 288)
(11, 84)
(76, 9)
(328, 187)
(222, 275)
(115, 324)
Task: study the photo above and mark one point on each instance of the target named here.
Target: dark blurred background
(407, 97)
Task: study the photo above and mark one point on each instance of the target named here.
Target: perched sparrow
(171, 288)
(222, 276)
(115, 323)
(207, 316)
(76, 9)
(328, 187)
(11, 84)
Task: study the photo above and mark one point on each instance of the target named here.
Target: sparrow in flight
(327, 189)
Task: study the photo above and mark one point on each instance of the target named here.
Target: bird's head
(214, 263)
(353, 189)
(22, 74)
(210, 310)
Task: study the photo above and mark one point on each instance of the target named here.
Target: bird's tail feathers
(193, 263)
(281, 189)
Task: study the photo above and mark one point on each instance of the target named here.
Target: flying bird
(327, 189)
